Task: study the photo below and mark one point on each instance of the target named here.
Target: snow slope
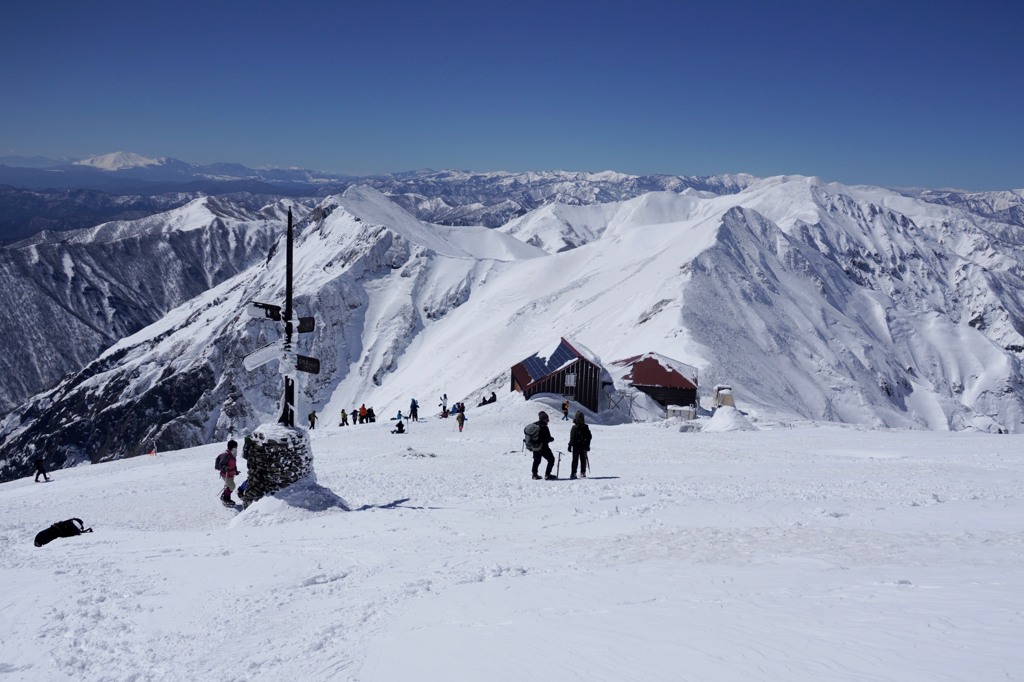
(793, 552)
(83, 290)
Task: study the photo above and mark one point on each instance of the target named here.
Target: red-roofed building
(667, 381)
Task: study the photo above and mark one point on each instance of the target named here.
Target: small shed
(570, 369)
(667, 381)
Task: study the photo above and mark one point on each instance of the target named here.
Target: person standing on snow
(40, 470)
(461, 419)
(228, 470)
(344, 418)
(579, 445)
(414, 410)
(312, 419)
(545, 452)
(565, 410)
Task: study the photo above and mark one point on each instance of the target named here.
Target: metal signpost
(289, 361)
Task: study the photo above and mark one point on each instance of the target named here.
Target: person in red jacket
(228, 466)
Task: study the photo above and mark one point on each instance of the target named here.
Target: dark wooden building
(570, 370)
(668, 381)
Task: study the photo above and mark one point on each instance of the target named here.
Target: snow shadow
(299, 501)
(312, 497)
(397, 504)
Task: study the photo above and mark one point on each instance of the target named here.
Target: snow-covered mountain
(118, 161)
(128, 173)
(448, 197)
(24, 213)
(36, 196)
(813, 300)
(492, 199)
(81, 291)
(1006, 206)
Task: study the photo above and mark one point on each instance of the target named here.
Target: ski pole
(559, 467)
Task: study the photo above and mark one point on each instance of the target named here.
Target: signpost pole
(288, 409)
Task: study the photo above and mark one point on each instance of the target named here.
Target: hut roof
(652, 369)
(543, 364)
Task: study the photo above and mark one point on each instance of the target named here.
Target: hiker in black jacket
(579, 445)
(40, 470)
(545, 450)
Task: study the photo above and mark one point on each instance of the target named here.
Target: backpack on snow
(532, 439)
(62, 529)
(221, 462)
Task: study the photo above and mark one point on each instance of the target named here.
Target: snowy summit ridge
(813, 300)
(118, 161)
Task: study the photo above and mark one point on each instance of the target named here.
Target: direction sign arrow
(260, 357)
(304, 363)
(264, 310)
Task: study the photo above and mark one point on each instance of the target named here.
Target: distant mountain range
(62, 194)
(814, 300)
(128, 173)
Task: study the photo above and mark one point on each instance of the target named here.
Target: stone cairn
(276, 456)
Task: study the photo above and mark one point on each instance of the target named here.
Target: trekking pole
(559, 467)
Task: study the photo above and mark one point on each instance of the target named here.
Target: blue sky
(887, 93)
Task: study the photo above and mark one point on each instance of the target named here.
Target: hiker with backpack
(579, 445)
(227, 465)
(565, 410)
(537, 438)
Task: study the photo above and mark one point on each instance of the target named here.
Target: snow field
(792, 552)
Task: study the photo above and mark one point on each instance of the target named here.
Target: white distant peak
(118, 161)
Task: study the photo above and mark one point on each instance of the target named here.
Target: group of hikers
(458, 409)
(360, 415)
(538, 439)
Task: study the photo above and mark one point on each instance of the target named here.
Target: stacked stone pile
(276, 457)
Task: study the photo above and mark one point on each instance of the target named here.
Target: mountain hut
(569, 370)
(667, 381)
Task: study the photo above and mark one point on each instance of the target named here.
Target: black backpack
(532, 439)
(61, 529)
(221, 462)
